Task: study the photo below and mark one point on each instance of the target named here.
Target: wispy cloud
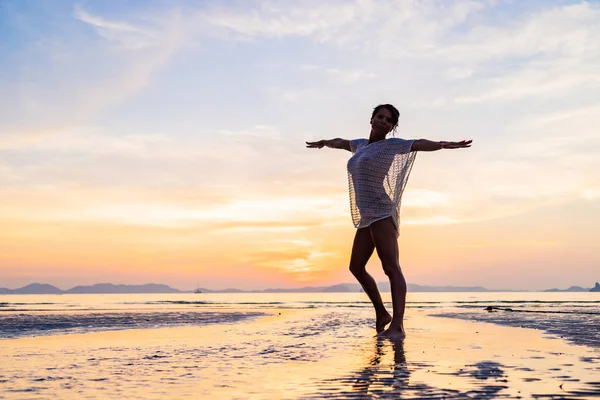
(280, 18)
(127, 35)
(425, 198)
(546, 79)
(77, 103)
(183, 126)
(290, 94)
(343, 75)
(592, 193)
(554, 48)
(553, 117)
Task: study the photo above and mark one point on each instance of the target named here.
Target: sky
(163, 141)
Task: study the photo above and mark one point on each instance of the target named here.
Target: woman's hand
(455, 145)
(429, 145)
(316, 145)
(336, 143)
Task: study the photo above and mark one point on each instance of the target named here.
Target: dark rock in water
(492, 308)
(596, 288)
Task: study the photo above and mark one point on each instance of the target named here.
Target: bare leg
(386, 242)
(362, 249)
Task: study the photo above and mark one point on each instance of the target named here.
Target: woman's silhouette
(377, 174)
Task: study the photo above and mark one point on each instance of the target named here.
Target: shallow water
(59, 323)
(297, 346)
(572, 316)
(308, 353)
(578, 328)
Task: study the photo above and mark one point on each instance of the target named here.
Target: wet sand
(310, 353)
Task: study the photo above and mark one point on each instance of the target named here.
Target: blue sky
(190, 116)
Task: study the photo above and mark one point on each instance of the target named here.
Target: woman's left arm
(428, 145)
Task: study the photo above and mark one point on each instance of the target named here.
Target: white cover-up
(377, 175)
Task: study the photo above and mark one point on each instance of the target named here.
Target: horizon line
(293, 288)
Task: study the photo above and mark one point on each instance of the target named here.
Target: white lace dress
(377, 175)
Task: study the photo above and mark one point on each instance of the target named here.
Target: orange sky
(160, 144)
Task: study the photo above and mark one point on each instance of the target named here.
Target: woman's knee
(392, 269)
(357, 269)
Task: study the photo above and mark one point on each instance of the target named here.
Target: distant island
(100, 288)
(575, 289)
(108, 288)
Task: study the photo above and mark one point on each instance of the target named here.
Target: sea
(574, 317)
(298, 346)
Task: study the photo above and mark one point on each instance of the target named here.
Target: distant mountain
(419, 288)
(354, 288)
(339, 288)
(38, 288)
(383, 287)
(34, 288)
(110, 288)
(202, 290)
(571, 289)
(157, 288)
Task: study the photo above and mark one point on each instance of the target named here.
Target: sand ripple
(307, 354)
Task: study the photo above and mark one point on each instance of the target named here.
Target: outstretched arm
(428, 145)
(331, 143)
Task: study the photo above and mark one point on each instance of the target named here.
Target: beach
(294, 352)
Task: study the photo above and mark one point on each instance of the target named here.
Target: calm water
(572, 316)
(296, 346)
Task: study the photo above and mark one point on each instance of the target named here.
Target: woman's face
(382, 122)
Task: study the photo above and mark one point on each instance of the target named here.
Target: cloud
(168, 38)
(243, 213)
(303, 262)
(559, 116)
(592, 193)
(543, 51)
(72, 97)
(297, 242)
(424, 198)
(393, 28)
(281, 18)
(94, 141)
(290, 94)
(535, 80)
(256, 161)
(256, 132)
(128, 36)
(436, 220)
(213, 152)
(342, 75)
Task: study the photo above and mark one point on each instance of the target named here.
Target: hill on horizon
(109, 288)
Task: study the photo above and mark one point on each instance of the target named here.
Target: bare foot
(382, 321)
(393, 334)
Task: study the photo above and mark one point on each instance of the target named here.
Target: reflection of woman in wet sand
(381, 378)
(378, 172)
(377, 374)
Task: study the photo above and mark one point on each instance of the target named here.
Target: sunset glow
(164, 142)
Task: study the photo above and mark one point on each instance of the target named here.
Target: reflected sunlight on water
(573, 316)
(309, 349)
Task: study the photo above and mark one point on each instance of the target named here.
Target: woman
(377, 174)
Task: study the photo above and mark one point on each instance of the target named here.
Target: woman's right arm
(331, 143)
